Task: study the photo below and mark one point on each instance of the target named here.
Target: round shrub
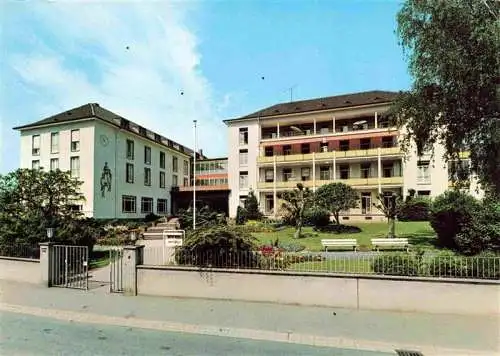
(317, 217)
(415, 210)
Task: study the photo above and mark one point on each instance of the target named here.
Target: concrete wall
(19, 270)
(357, 292)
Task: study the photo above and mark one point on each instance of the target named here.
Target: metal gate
(70, 267)
(116, 270)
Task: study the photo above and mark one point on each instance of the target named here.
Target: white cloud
(134, 59)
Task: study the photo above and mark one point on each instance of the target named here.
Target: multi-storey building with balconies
(345, 138)
(127, 170)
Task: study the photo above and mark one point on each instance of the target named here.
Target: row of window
(211, 167)
(130, 177)
(130, 147)
(129, 205)
(54, 164)
(54, 142)
(211, 181)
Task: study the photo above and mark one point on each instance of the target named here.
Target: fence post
(46, 262)
(132, 256)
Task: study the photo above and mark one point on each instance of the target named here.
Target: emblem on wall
(106, 178)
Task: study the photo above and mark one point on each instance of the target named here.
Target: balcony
(319, 156)
(353, 182)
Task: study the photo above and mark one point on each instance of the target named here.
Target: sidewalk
(377, 331)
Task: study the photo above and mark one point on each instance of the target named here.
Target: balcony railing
(372, 152)
(285, 132)
(354, 182)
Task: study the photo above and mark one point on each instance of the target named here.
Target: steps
(156, 232)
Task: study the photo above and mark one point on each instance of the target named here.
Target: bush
(397, 265)
(240, 216)
(450, 213)
(446, 264)
(316, 217)
(416, 209)
(339, 229)
(151, 217)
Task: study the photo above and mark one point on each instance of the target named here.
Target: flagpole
(194, 176)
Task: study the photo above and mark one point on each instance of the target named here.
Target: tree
(204, 217)
(251, 207)
(296, 202)
(453, 48)
(336, 197)
(33, 200)
(390, 206)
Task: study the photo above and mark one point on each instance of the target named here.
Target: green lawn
(419, 233)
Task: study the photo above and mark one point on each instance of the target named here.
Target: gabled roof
(327, 103)
(95, 111)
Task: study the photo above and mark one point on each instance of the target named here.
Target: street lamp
(50, 233)
(194, 177)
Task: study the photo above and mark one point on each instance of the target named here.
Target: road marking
(253, 334)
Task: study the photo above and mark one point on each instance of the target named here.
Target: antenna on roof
(291, 91)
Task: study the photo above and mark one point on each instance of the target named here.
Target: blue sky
(60, 54)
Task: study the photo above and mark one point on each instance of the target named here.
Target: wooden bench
(390, 243)
(351, 243)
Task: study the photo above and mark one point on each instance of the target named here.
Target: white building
(127, 171)
(344, 138)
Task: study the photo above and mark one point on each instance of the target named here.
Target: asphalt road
(30, 335)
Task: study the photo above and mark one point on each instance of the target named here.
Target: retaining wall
(20, 270)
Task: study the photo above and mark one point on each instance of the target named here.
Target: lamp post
(194, 177)
(50, 233)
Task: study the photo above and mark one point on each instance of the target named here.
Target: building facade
(345, 138)
(127, 170)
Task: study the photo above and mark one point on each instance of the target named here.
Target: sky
(164, 63)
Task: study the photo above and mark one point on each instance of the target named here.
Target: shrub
(416, 209)
(339, 229)
(151, 217)
(316, 217)
(397, 265)
(251, 209)
(447, 264)
(240, 216)
(450, 213)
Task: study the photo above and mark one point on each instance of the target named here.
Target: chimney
(201, 152)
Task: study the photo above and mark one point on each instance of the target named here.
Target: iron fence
(69, 266)
(391, 264)
(20, 250)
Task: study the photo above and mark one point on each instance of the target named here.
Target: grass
(419, 234)
(99, 259)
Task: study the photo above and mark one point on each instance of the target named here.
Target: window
(243, 136)
(243, 180)
(366, 202)
(324, 173)
(35, 164)
(243, 157)
(147, 155)
(147, 176)
(268, 151)
(387, 170)
(423, 174)
(287, 174)
(185, 181)
(287, 150)
(129, 174)
(387, 142)
(389, 199)
(324, 146)
(344, 145)
(186, 168)
(75, 166)
(130, 149)
(162, 179)
(364, 143)
(35, 145)
(128, 204)
(54, 164)
(174, 180)
(344, 171)
(54, 142)
(162, 160)
(243, 198)
(305, 148)
(305, 173)
(75, 140)
(365, 170)
(423, 193)
(175, 164)
(161, 206)
(269, 175)
(146, 205)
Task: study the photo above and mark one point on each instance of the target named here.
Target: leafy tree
(33, 200)
(296, 202)
(251, 207)
(336, 197)
(390, 206)
(453, 48)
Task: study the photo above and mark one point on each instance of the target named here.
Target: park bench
(390, 243)
(351, 243)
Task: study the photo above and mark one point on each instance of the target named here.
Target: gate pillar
(131, 258)
(46, 263)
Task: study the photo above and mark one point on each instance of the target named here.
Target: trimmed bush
(316, 217)
(397, 265)
(416, 209)
(339, 229)
(450, 213)
(446, 264)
